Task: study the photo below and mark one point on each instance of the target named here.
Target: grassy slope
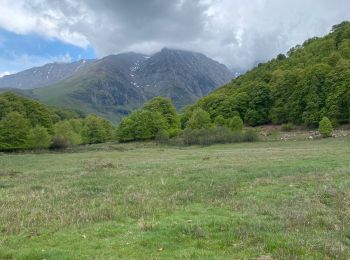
(266, 200)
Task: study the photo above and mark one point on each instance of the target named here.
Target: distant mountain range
(117, 84)
(43, 76)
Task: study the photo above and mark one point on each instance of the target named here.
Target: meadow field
(264, 200)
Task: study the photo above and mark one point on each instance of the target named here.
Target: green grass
(265, 200)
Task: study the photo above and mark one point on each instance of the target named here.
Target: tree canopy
(311, 82)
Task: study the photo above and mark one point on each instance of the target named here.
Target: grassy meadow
(264, 200)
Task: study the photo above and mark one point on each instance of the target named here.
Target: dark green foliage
(14, 129)
(312, 82)
(38, 138)
(199, 119)
(96, 130)
(59, 142)
(325, 127)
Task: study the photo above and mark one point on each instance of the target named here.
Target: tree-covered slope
(312, 81)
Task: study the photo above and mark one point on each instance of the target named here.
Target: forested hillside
(312, 81)
(27, 124)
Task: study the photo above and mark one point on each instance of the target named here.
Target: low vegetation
(263, 200)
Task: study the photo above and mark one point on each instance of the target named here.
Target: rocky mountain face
(117, 84)
(43, 76)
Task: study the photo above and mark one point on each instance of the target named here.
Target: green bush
(217, 135)
(59, 142)
(162, 136)
(38, 138)
(325, 127)
(250, 135)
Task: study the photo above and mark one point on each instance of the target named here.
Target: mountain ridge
(117, 84)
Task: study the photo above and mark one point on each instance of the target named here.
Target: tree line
(27, 124)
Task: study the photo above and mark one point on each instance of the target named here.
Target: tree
(199, 119)
(220, 121)
(165, 107)
(141, 125)
(236, 124)
(96, 130)
(66, 130)
(38, 138)
(325, 127)
(13, 131)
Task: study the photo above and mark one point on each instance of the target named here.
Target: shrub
(235, 124)
(162, 136)
(287, 127)
(59, 142)
(325, 127)
(38, 138)
(250, 135)
(218, 135)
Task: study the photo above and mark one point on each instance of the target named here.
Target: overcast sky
(238, 33)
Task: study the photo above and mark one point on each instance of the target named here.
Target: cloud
(238, 33)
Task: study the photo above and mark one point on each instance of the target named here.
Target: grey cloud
(238, 33)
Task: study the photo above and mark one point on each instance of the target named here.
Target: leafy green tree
(96, 130)
(13, 131)
(165, 107)
(325, 127)
(311, 82)
(66, 130)
(38, 138)
(199, 119)
(141, 125)
(236, 124)
(220, 121)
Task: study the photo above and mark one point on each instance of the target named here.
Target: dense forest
(27, 124)
(310, 82)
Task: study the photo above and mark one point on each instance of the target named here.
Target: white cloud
(238, 33)
(43, 18)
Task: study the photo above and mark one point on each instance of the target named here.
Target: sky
(238, 33)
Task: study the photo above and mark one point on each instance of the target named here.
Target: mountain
(117, 84)
(42, 76)
(311, 82)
